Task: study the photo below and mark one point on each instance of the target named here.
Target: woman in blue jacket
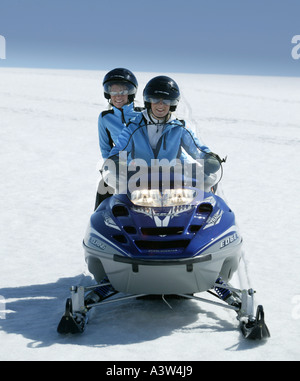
(120, 87)
(155, 133)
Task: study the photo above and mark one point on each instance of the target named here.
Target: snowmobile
(166, 231)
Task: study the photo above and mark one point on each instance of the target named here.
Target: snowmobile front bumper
(178, 276)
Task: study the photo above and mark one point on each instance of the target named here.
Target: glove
(216, 156)
(212, 163)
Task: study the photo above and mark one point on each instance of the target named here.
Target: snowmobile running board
(252, 326)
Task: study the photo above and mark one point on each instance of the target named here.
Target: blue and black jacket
(175, 137)
(110, 125)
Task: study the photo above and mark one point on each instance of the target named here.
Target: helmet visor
(114, 88)
(157, 99)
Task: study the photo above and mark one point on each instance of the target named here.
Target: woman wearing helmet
(120, 87)
(155, 133)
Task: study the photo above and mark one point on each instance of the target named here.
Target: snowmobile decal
(214, 220)
(95, 242)
(229, 240)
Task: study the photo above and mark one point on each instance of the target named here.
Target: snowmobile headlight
(146, 197)
(169, 197)
(174, 197)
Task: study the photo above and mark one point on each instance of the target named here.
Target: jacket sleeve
(104, 138)
(124, 143)
(192, 144)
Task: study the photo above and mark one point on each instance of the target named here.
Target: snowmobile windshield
(158, 182)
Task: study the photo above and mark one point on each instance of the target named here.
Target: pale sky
(192, 36)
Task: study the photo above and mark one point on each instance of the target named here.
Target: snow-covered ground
(48, 156)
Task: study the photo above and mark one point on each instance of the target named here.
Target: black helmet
(162, 87)
(120, 76)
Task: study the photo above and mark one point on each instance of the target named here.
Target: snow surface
(49, 152)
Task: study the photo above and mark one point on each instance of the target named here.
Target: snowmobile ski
(252, 327)
(72, 323)
(255, 328)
